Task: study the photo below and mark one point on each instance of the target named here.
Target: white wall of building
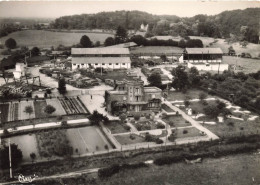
(209, 67)
(105, 66)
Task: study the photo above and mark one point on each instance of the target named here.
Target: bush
(158, 141)
(185, 131)
(160, 126)
(127, 127)
(109, 171)
(137, 117)
(132, 136)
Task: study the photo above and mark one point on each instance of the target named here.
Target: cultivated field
(87, 139)
(46, 39)
(27, 144)
(253, 49)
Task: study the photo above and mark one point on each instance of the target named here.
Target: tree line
(222, 25)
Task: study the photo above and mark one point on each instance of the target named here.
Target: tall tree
(155, 80)
(121, 35)
(85, 42)
(49, 109)
(29, 110)
(35, 51)
(180, 78)
(10, 43)
(62, 86)
(16, 156)
(109, 41)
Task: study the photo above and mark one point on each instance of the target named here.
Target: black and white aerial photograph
(135, 92)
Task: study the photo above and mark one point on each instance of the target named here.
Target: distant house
(132, 96)
(113, 58)
(144, 27)
(207, 59)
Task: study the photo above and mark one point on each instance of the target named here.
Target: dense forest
(238, 25)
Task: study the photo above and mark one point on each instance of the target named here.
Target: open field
(157, 49)
(253, 49)
(46, 39)
(87, 139)
(248, 65)
(217, 171)
(27, 144)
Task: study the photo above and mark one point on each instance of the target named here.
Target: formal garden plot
(127, 139)
(13, 112)
(176, 121)
(87, 139)
(190, 94)
(57, 105)
(23, 114)
(28, 145)
(72, 105)
(53, 143)
(117, 127)
(4, 108)
(146, 123)
(167, 108)
(185, 133)
(39, 108)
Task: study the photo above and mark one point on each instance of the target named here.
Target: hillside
(218, 26)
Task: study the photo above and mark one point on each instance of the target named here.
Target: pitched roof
(203, 50)
(106, 60)
(123, 45)
(96, 51)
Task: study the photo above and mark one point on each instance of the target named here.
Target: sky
(54, 9)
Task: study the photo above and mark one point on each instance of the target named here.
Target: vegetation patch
(127, 139)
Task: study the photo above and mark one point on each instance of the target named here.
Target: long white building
(114, 58)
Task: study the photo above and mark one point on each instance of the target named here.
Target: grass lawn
(157, 49)
(248, 65)
(116, 127)
(46, 39)
(214, 171)
(167, 108)
(126, 140)
(191, 93)
(191, 132)
(239, 127)
(178, 121)
(39, 108)
(198, 107)
(4, 108)
(27, 144)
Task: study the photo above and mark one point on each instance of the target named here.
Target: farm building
(132, 96)
(113, 58)
(207, 59)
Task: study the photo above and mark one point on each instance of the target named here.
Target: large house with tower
(132, 96)
(113, 58)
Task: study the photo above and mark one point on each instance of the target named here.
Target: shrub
(127, 127)
(171, 123)
(109, 171)
(158, 141)
(160, 126)
(185, 131)
(137, 117)
(147, 116)
(132, 136)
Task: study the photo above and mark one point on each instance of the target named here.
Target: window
(116, 63)
(96, 64)
(123, 64)
(74, 64)
(103, 64)
(82, 64)
(110, 64)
